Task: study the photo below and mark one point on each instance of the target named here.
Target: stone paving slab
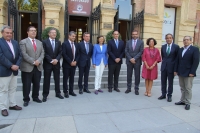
(24, 126)
(64, 124)
(106, 113)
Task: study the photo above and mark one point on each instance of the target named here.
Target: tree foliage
(28, 5)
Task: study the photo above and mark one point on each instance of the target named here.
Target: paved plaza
(106, 113)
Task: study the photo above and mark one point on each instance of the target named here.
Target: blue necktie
(53, 45)
(116, 43)
(87, 47)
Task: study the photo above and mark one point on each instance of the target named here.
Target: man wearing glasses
(31, 65)
(186, 66)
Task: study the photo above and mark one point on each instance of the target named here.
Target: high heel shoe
(145, 93)
(149, 94)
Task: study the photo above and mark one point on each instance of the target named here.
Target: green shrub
(109, 36)
(46, 31)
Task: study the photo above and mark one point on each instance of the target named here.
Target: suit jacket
(115, 52)
(188, 63)
(67, 54)
(98, 55)
(84, 56)
(50, 54)
(168, 61)
(29, 55)
(7, 59)
(136, 54)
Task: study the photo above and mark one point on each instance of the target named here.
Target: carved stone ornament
(51, 21)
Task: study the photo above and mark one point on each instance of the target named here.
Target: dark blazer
(188, 63)
(7, 59)
(67, 54)
(85, 59)
(169, 61)
(115, 52)
(136, 54)
(50, 54)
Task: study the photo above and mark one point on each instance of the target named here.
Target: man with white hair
(10, 59)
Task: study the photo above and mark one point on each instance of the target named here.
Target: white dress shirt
(170, 46)
(32, 41)
(71, 47)
(185, 49)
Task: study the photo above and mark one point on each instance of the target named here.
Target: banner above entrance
(79, 7)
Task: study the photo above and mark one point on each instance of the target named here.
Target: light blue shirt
(185, 49)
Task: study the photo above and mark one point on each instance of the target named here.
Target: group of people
(31, 56)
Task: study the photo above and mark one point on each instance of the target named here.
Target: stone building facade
(187, 21)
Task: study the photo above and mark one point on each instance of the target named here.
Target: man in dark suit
(116, 52)
(31, 66)
(70, 53)
(169, 53)
(134, 49)
(53, 53)
(10, 59)
(186, 66)
(85, 52)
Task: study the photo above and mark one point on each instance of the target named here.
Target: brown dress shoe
(15, 108)
(4, 112)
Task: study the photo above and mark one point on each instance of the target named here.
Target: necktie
(87, 47)
(34, 45)
(73, 49)
(53, 45)
(116, 43)
(134, 45)
(168, 50)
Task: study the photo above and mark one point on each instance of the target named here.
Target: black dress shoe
(25, 104)
(59, 96)
(4, 112)
(109, 90)
(162, 97)
(136, 92)
(72, 94)
(37, 100)
(187, 107)
(169, 99)
(44, 99)
(180, 103)
(80, 92)
(128, 90)
(86, 90)
(116, 89)
(66, 95)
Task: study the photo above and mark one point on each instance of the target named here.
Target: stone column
(153, 20)
(3, 13)
(107, 16)
(52, 9)
(186, 20)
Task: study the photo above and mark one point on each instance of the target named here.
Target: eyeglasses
(186, 39)
(33, 30)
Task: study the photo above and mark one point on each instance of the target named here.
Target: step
(122, 84)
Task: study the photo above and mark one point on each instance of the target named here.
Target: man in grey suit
(31, 65)
(134, 49)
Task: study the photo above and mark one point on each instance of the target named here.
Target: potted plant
(46, 31)
(109, 36)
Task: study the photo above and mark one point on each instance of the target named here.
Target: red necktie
(34, 45)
